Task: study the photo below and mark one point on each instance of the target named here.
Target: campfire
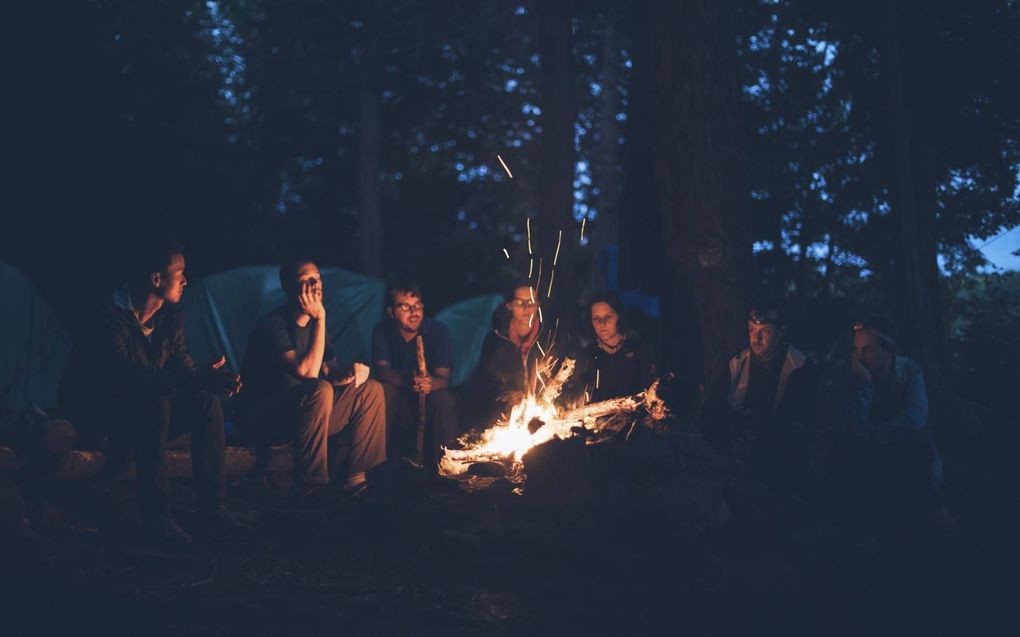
(536, 420)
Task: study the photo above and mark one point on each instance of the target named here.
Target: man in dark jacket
(394, 353)
(131, 378)
(762, 407)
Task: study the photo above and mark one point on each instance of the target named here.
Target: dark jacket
(727, 416)
(504, 370)
(112, 358)
(627, 371)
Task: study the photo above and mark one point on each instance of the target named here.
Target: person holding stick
(413, 359)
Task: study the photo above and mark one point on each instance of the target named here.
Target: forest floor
(458, 560)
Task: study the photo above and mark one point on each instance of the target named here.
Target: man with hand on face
(762, 408)
(131, 378)
(887, 453)
(297, 389)
(395, 355)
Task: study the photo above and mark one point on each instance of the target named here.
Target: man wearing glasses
(394, 353)
(297, 389)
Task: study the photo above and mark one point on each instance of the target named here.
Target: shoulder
(382, 328)
(907, 368)
(434, 328)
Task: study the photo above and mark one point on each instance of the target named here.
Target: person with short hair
(395, 356)
(298, 390)
(762, 406)
(131, 378)
(886, 454)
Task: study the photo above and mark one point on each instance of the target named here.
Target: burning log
(555, 385)
(531, 424)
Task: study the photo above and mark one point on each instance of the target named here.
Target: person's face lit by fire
(873, 353)
(523, 307)
(765, 339)
(307, 278)
(407, 310)
(604, 320)
(170, 283)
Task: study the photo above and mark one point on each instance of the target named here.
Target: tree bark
(700, 169)
(556, 179)
(905, 64)
(370, 228)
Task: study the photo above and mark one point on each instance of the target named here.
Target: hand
(360, 372)
(858, 369)
(219, 380)
(422, 384)
(310, 301)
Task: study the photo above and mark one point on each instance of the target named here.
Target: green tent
(33, 344)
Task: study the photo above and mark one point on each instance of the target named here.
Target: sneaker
(221, 524)
(164, 531)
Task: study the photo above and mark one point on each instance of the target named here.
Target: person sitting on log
(131, 378)
(296, 389)
(761, 409)
(885, 457)
(395, 356)
(513, 353)
(618, 362)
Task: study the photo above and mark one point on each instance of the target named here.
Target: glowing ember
(509, 174)
(506, 253)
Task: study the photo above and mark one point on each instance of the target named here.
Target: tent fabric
(220, 311)
(33, 345)
(468, 322)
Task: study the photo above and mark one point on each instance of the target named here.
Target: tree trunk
(369, 161)
(701, 169)
(905, 64)
(556, 179)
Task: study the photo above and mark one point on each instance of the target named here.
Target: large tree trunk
(701, 169)
(556, 179)
(908, 131)
(370, 228)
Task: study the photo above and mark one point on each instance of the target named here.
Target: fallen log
(238, 461)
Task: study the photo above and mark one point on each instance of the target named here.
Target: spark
(540, 348)
(539, 315)
(529, 235)
(531, 266)
(559, 240)
(552, 277)
(506, 253)
(538, 281)
(597, 378)
(583, 219)
(531, 319)
(531, 293)
(507, 169)
(587, 397)
(539, 376)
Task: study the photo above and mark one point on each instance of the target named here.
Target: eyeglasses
(525, 303)
(407, 307)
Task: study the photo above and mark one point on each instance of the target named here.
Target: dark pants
(884, 483)
(312, 411)
(145, 424)
(441, 423)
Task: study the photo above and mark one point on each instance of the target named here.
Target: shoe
(220, 524)
(164, 531)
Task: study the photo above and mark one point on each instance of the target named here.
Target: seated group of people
(131, 379)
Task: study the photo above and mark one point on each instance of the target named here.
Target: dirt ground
(477, 558)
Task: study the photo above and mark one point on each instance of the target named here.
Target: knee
(372, 391)
(317, 391)
(211, 408)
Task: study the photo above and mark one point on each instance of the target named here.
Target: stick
(422, 370)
